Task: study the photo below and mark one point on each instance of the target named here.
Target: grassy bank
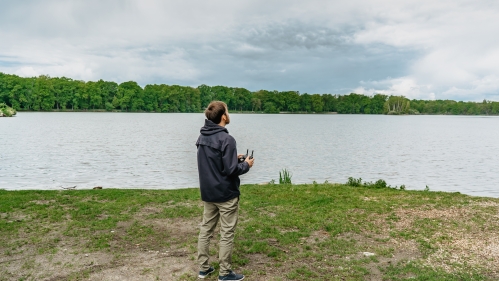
(285, 232)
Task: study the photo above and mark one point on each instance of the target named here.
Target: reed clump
(285, 176)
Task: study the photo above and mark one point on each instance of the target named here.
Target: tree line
(44, 93)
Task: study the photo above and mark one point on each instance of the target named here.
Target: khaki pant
(227, 213)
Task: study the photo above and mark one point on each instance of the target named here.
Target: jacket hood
(211, 128)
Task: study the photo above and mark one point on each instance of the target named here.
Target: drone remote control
(246, 156)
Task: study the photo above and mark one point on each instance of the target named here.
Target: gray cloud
(296, 34)
(421, 49)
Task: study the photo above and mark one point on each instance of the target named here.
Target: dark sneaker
(204, 274)
(232, 276)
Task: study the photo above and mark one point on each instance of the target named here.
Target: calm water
(135, 150)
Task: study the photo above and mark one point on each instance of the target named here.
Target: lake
(153, 150)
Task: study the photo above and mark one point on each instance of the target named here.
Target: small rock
(368, 254)
(86, 255)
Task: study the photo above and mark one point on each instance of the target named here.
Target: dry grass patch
(459, 238)
(42, 202)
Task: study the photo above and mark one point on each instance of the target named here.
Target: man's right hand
(250, 161)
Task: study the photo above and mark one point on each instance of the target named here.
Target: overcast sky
(423, 49)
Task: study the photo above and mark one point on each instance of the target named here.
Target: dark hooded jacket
(218, 166)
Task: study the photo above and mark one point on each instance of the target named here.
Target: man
(219, 170)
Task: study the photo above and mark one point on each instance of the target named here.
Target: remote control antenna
(244, 156)
(251, 157)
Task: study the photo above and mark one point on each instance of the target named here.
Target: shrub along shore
(6, 111)
(285, 232)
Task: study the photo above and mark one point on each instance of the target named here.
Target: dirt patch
(149, 210)
(403, 250)
(470, 249)
(288, 230)
(317, 237)
(264, 268)
(404, 218)
(466, 245)
(53, 266)
(42, 202)
(197, 203)
(134, 265)
(168, 234)
(268, 214)
(486, 204)
(14, 217)
(180, 228)
(64, 258)
(148, 266)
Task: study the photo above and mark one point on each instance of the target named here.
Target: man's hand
(250, 161)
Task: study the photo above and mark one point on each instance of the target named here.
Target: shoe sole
(232, 280)
(204, 276)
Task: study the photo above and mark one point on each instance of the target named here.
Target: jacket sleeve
(231, 165)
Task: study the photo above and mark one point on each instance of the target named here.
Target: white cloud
(458, 54)
(27, 71)
(402, 86)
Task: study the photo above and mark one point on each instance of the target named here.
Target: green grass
(295, 232)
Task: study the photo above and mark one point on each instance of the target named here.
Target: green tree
(291, 101)
(306, 102)
(242, 99)
(350, 104)
(317, 103)
(256, 104)
(330, 103)
(397, 105)
(15, 96)
(269, 107)
(206, 95)
(377, 104)
(43, 93)
(129, 96)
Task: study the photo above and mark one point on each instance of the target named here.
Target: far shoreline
(251, 112)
